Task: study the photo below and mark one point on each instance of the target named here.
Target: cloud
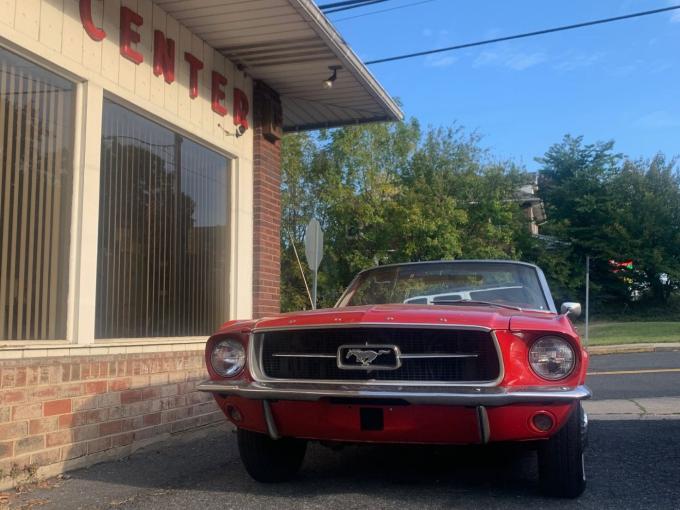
(486, 58)
(636, 66)
(522, 61)
(659, 66)
(659, 119)
(440, 60)
(675, 15)
(515, 60)
(441, 39)
(572, 61)
(442, 34)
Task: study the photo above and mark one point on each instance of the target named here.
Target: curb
(598, 350)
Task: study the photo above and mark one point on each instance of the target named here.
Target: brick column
(266, 201)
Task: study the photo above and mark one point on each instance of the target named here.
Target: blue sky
(618, 81)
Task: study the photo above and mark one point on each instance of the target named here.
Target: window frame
(80, 310)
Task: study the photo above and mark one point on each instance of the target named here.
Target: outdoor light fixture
(328, 83)
(239, 131)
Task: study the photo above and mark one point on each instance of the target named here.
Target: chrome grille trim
(301, 355)
(255, 357)
(437, 356)
(402, 356)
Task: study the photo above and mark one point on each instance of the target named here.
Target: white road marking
(633, 372)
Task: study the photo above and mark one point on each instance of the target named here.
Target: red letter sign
(129, 36)
(241, 108)
(218, 81)
(163, 56)
(195, 65)
(97, 34)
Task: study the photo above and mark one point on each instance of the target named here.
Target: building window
(162, 262)
(36, 158)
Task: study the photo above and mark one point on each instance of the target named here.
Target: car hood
(467, 315)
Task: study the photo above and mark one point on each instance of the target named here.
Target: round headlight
(228, 358)
(552, 358)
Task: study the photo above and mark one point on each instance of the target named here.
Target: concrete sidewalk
(596, 350)
(659, 408)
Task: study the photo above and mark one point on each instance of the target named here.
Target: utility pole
(587, 297)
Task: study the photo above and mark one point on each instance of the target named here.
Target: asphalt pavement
(629, 376)
(631, 463)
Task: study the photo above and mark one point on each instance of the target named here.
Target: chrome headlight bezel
(552, 358)
(228, 357)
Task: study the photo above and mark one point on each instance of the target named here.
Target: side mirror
(573, 309)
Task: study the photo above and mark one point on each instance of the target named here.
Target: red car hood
(484, 316)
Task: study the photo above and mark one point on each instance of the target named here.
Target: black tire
(270, 460)
(560, 458)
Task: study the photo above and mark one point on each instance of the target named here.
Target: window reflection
(162, 259)
(36, 139)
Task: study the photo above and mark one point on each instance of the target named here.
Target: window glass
(36, 140)
(503, 283)
(163, 216)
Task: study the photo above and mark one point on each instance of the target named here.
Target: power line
(521, 36)
(346, 3)
(383, 10)
(365, 3)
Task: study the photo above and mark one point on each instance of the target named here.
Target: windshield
(445, 283)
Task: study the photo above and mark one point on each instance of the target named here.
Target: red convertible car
(450, 352)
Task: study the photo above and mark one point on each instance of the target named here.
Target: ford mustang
(446, 352)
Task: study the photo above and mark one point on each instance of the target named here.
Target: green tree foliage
(602, 205)
(646, 197)
(391, 193)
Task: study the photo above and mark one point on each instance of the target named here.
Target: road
(645, 374)
(632, 462)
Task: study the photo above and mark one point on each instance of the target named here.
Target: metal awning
(289, 45)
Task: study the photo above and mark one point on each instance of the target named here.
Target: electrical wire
(346, 3)
(524, 35)
(365, 3)
(383, 10)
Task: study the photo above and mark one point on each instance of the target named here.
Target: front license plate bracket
(371, 418)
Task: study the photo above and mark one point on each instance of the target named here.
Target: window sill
(57, 348)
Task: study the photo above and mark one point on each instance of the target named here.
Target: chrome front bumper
(433, 395)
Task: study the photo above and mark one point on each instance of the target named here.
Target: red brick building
(139, 204)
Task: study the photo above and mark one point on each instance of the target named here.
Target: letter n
(163, 56)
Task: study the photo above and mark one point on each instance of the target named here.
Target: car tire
(560, 458)
(270, 460)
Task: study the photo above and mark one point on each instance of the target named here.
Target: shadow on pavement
(630, 464)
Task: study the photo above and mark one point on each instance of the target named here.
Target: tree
(646, 195)
(574, 185)
(388, 193)
(602, 205)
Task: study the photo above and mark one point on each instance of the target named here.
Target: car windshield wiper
(472, 302)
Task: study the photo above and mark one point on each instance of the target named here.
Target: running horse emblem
(366, 357)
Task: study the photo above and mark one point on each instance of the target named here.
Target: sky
(619, 81)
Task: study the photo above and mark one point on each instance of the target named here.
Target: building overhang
(290, 45)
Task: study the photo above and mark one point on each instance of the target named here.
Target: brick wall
(266, 207)
(60, 413)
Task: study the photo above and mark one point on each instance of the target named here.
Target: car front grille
(446, 355)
